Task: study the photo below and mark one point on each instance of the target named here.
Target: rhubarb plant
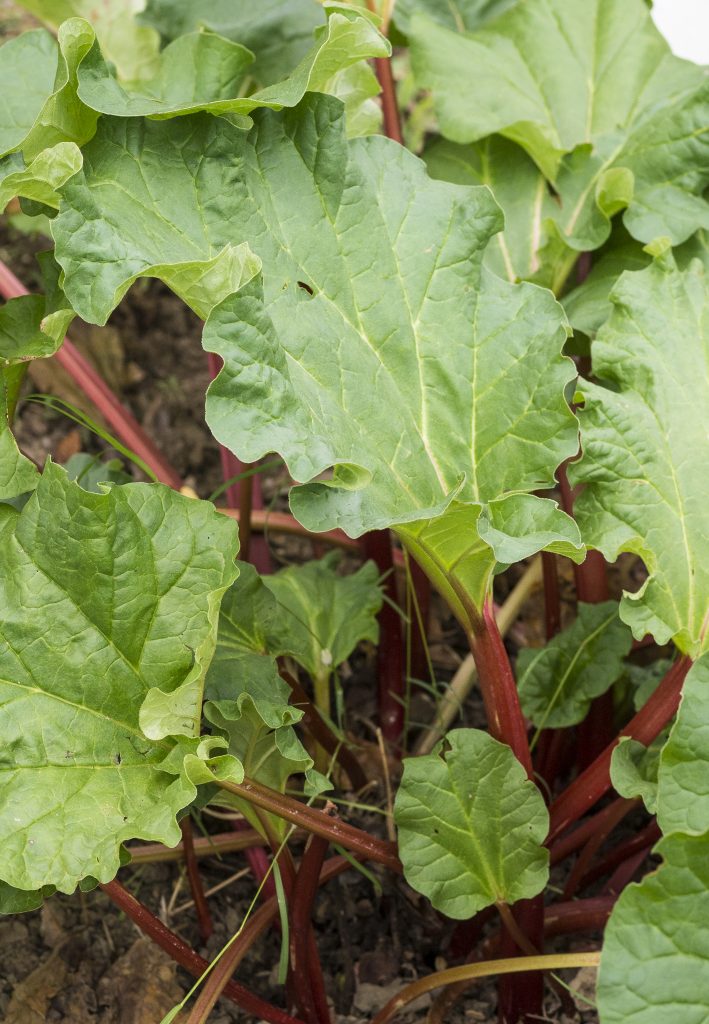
(496, 349)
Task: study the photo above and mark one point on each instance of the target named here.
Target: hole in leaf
(306, 288)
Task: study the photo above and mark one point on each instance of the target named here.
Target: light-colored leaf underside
(645, 439)
(105, 599)
(372, 343)
(592, 92)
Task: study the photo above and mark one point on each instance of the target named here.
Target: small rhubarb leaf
(278, 32)
(683, 782)
(634, 770)
(128, 584)
(645, 448)
(612, 126)
(33, 326)
(49, 111)
(131, 47)
(261, 737)
(20, 901)
(471, 825)
(329, 360)
(244, 659)
(529, 247)
(461, 16)
(40, 179)
(558, 682)
(322, 615)
(655, 964)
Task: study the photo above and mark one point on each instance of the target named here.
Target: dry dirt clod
(140, 988)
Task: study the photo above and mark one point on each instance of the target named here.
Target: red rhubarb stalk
(644, 727)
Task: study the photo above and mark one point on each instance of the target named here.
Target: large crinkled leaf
(132, 47)
(205, 71)
(558, 682)
(683, 777)
(528, 248)
(105, 599)
(373, 342)
(471, 825)
(590, 89)
(460, 15)
(646, 448)
(655, 960)
(279, 32)
(321, 615)
(41, 106)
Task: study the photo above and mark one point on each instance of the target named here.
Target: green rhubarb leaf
(18, 474)
(683, 782)
(245, 656)
(204, 71)
(20, 901)
(655, 960)
(322, 615)
(372, 343)
(471, 825)
(261, 737)
(33, 326)
(131, 47)
(42, 108)
(589, 305)
(613, 119)
(105, 599)
(645, 444)
(558, 682)
(91, 471)
(278, 32)
(460, 15)
(40, 179)
(634, 770)
(200, 71)
(529, 248)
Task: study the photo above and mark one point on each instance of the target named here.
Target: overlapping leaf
(655, 961)
(461, 15)
(205, 71)
(683, 777)
(373, 343)
(528, 247)
(646, 449)
(634, 770)
(248, 700)
(471, 825)
(38, 79)
(558, 682)
(278, 32)
(106, 599)
(592, 92)
(131, 47)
